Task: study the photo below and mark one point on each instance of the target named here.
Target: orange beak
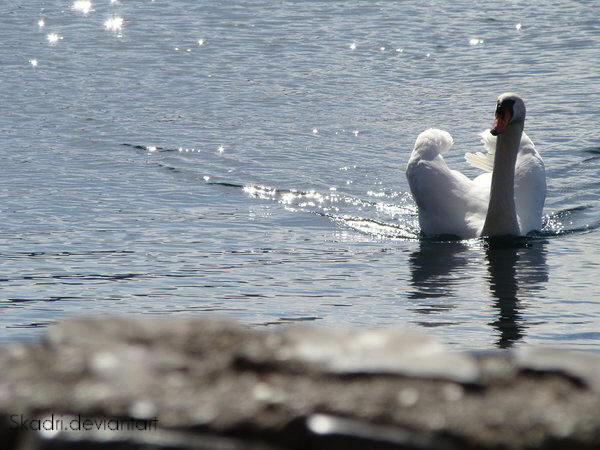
(500, 122)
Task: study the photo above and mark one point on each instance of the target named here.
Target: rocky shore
(163, 383)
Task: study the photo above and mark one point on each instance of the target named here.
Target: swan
(507, 199)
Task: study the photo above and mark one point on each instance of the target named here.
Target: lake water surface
(247, 159)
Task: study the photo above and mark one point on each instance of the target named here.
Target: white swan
(505, 200)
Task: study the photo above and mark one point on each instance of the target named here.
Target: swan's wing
(530, 186)
(480, 199)
(484, 161)
(442, 195)
(481, 187)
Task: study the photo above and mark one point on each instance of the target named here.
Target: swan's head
(509, 109)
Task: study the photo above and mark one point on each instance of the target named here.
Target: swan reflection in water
(515, 267)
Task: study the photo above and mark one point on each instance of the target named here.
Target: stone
(165, 383)
(381, 351)
(581, 366)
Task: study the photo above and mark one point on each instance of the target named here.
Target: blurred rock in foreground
(128, 383)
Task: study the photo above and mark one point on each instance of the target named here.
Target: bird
(507, 199)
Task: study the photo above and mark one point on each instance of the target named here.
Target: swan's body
(505, 200)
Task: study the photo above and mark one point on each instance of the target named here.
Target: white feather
(484, 161)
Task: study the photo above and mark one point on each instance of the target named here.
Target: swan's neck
(501, 218)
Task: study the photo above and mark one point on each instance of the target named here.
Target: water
(247, 160)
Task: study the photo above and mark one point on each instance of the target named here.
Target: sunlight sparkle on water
(475, 41)
(82, 6)
(260, 191)
(113, 24)
(41, 23)
(353, 46)
(33, 62)
(200, 42)
(53, 38)
(518, 26)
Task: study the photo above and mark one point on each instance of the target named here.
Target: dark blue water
(247, 159)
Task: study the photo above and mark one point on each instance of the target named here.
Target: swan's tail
(484, 161)
(432, 142)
